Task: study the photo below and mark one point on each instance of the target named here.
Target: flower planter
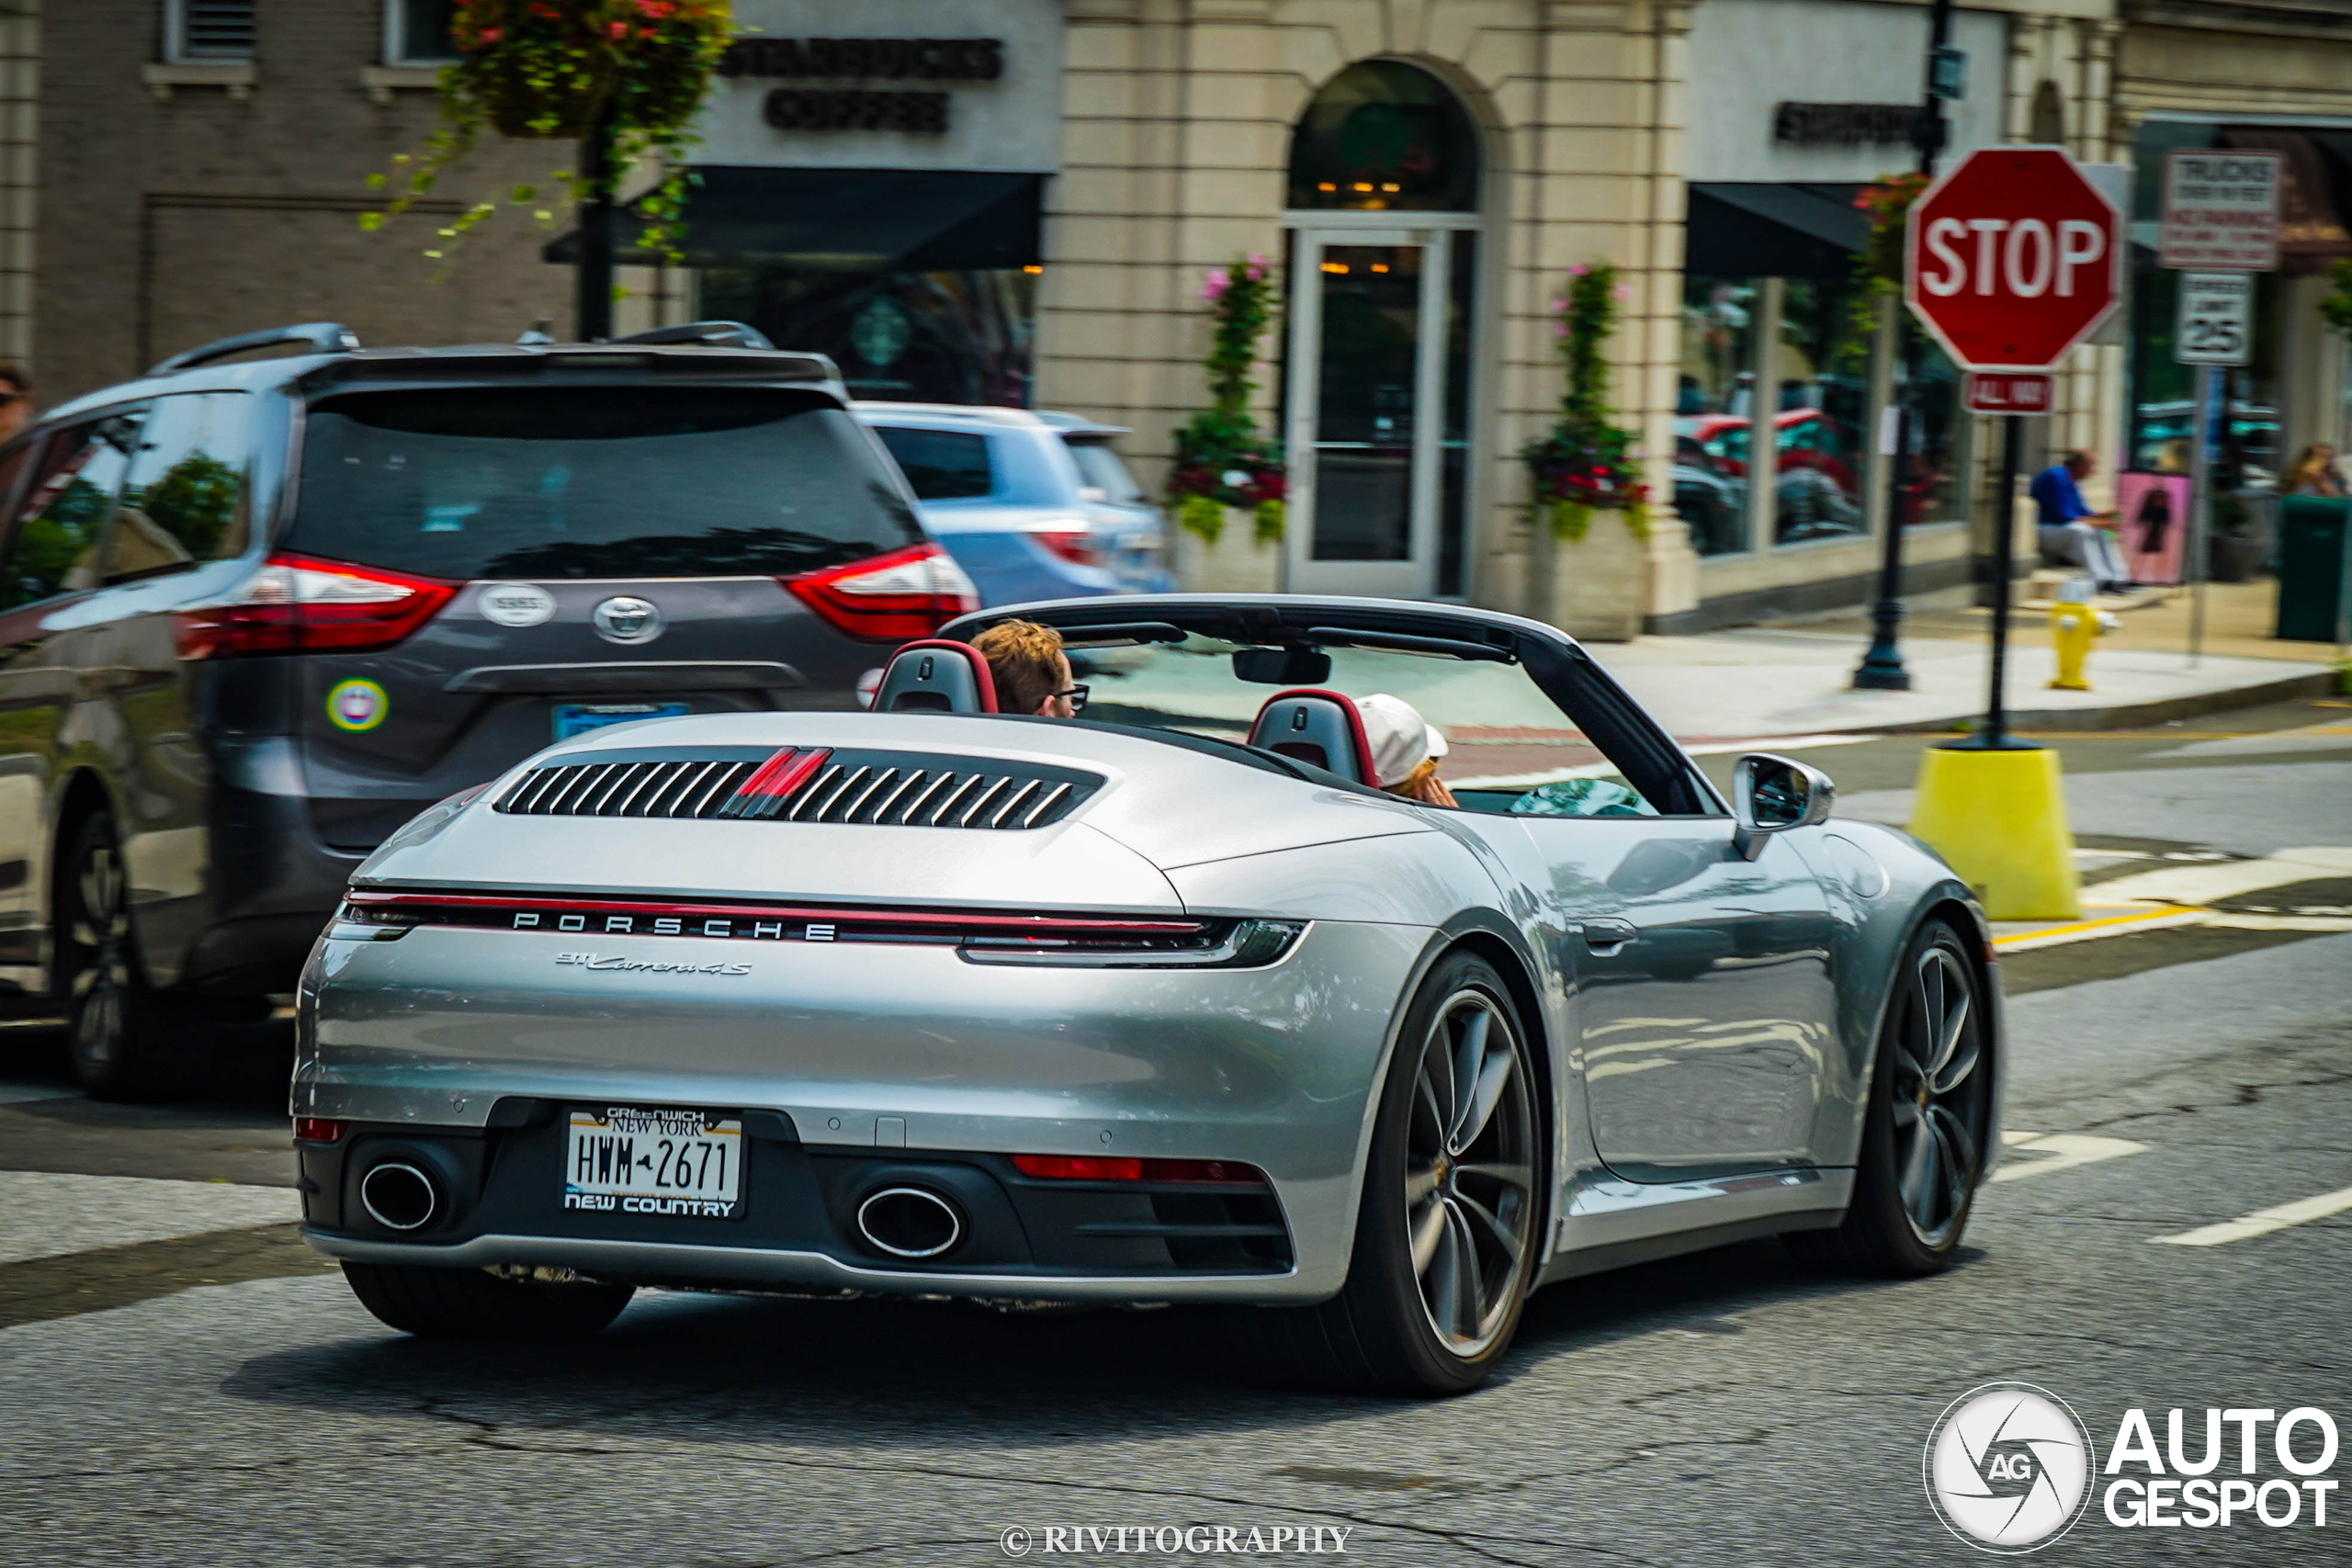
(1601, 583)
(1236, 563)
(2234, 558)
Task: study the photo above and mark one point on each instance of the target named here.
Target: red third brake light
(889, 598)
(295, 604)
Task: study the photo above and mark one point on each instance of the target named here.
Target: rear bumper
(855, 1048)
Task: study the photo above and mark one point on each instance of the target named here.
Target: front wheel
(472, 1304)
(1928, 1117)
(1448, 1230)
(126, 1042)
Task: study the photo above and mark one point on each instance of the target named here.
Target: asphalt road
(181, 1383)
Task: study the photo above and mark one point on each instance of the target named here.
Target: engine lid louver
(887, 789)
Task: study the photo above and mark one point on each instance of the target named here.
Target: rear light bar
(896, 597)
(1114, 1167)
(318, 1130)
(296, 605)
(1080, 941)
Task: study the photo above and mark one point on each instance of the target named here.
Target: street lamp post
(1882, 669)
(593, 282)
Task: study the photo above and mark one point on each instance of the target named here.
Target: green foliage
(196, 502)
(1586, 462)
(1878, 265)
(1221, 460)
(2335, 310)
(557, 69)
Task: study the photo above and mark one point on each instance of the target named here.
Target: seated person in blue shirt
(2070, 533)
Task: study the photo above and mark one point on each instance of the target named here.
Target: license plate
(621, 1159)
(574, 718)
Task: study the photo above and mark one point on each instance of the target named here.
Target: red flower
(619, 29)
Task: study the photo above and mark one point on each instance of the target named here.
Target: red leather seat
(935, 676)
(1320, 728)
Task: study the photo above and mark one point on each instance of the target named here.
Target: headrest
(933, 676)
(1318, 727)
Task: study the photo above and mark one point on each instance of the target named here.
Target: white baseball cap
(1401, 739)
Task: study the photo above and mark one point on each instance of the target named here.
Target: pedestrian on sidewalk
(2315, 473)
(2070, 533)
(15, 397)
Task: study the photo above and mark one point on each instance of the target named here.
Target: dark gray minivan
(256, 616)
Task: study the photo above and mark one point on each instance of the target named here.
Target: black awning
(1767, 229)
(848, 220)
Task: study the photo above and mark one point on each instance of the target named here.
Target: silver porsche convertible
(1167, 1003)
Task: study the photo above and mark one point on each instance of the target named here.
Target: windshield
(593, 481)
(1509, 748)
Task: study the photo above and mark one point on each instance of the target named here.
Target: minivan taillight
(892, 598)
(295, 604)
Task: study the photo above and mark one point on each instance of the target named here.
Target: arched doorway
(1383, 214)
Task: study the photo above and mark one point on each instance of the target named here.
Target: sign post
(2012, 259)
(2218, 228)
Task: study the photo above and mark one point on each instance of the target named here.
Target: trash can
(2313, 589)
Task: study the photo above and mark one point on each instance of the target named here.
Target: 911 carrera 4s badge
(614, 961)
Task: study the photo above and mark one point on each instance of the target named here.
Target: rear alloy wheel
(1446, 1237)
(473, 1303)
(126, 1042)
(1924, 1134)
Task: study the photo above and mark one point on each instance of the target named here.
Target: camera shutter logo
(2008, 1467)
(356, 705)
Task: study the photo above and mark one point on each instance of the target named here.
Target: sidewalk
(1796, 679)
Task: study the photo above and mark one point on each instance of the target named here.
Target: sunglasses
(1077, 695)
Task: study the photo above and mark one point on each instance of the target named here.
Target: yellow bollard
(1999, 817)
(2074, 624)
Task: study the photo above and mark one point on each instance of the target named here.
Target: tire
(1466, 1178)
(1924, 1134)
(126, 1042)
(472, 1304)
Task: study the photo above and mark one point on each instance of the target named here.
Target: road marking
(2204, 883)
(2089, 930)
(2238, 920)
(2061, 1151)
(2262, 1221)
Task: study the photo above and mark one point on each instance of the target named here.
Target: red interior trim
(1005, 923)
(1364, 769)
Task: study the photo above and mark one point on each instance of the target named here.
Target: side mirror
(1771, 795)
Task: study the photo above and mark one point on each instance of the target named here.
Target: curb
(2132, 716)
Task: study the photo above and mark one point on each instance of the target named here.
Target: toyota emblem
(626, 619)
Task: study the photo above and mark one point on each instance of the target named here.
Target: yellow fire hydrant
(2073, 625)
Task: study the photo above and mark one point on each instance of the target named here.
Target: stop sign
(2013, 258)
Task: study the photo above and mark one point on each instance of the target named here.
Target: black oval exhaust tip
(910, 1222)
(398, 1196)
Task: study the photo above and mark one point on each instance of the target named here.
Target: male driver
(2070, 533)
(1032, 673)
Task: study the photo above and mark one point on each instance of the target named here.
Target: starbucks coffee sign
(919, 84)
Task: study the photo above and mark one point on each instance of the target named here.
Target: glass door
(1375, 404)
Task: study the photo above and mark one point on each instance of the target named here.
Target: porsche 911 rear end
(867, 1003)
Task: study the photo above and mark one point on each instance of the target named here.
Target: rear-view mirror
(1282, 666)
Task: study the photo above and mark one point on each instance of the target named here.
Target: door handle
(1605, 937)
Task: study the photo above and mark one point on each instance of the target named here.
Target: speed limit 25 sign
(2216, 321)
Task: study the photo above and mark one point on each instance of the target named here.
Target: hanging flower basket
(1585, 463)
(1221, 461)
(561, 70)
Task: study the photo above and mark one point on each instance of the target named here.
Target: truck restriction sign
(2216, 323)
(2221, 211)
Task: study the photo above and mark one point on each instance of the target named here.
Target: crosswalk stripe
(2262, 1221)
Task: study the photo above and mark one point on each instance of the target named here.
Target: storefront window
(1821, 383)
(1716, 391)
(1932, 454)
(926, 337)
